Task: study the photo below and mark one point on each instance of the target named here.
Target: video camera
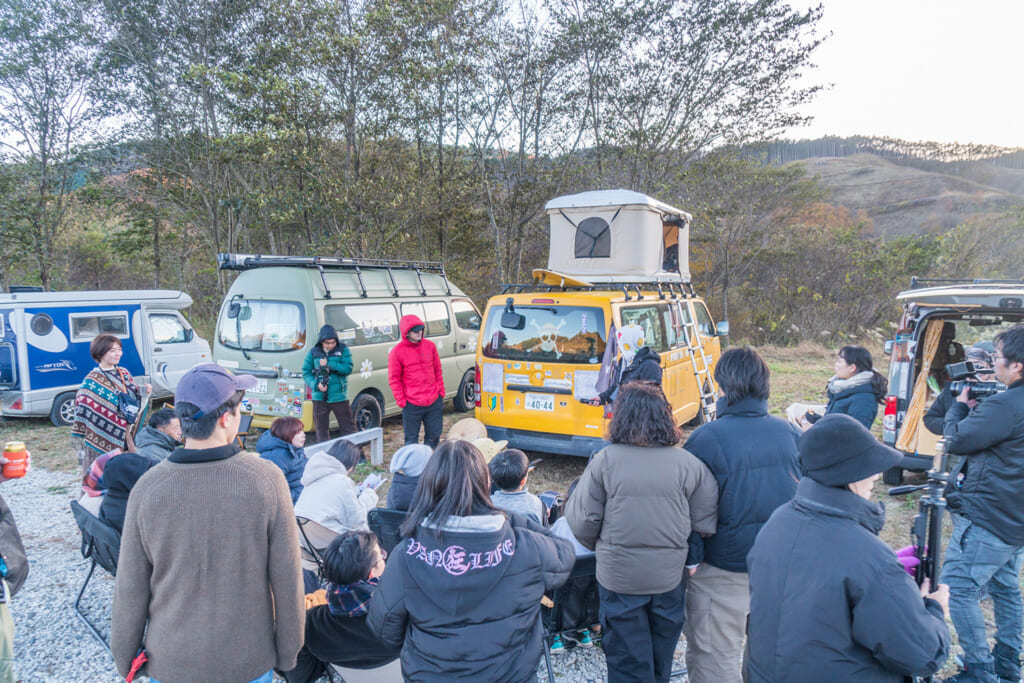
(961, 374)
(322, 374)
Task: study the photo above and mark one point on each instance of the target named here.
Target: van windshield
(566, 334)
(264, 326)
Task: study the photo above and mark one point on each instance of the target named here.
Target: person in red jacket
(414, 373)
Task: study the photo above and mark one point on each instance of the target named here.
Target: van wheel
(62, 413)
(893, 476)
(366, 411)
(466, 398)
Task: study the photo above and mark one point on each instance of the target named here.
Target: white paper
(585, 384)
(492, 380)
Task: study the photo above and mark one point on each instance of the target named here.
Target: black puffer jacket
(935, 418)
(401, 491)
(645, 367)
(829, 601)
(465, 599)
(859, 402)
(754, 459)
(992, 439)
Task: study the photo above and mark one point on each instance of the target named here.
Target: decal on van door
(41, 333)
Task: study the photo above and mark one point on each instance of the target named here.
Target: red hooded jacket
(414, 370)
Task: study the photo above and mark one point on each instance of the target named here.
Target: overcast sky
(942, 70)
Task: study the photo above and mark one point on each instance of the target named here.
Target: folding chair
(386, 524)
(101, 543)
(313, 540)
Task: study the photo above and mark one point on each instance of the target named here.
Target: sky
(935, 70)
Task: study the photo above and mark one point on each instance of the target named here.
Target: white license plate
(260, 388)
(540, 402)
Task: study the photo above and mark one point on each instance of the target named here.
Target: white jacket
(329, 497)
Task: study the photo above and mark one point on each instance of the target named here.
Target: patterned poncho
(97, 418)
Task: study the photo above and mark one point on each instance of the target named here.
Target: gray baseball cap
(208, 386)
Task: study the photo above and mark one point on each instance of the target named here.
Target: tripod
(926, 530)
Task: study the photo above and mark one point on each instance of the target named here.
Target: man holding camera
(987, 545)
(326, 370)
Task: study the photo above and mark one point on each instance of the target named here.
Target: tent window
(593, 238)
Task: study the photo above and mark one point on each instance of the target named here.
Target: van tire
(465, 399)
(893, 476)
(366, 411)
(62, 413)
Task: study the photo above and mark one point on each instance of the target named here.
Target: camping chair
(313, 540)
(101, 543)
(386, 524)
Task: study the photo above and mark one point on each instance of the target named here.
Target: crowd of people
(756, 537)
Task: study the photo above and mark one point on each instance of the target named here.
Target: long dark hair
(861, 358)
(454, 483)
(643, 417)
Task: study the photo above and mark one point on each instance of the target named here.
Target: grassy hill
(907, 196)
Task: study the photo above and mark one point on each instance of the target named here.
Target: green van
(277, 304)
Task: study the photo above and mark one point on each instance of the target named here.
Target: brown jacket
(210, 563)
(635, 507)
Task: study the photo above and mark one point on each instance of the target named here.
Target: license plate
(540, 402)
(260, 388)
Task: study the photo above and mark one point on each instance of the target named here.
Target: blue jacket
(754, 459)
(290, 459)
(859, 402)
(829, 600)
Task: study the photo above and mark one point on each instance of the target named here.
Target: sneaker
(557, 646)
(584, 639)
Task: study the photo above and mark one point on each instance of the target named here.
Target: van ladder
(705, 381)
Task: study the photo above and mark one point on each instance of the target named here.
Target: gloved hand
(907, 558)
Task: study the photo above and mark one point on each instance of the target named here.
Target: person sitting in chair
(336, 632)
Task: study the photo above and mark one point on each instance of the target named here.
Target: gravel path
(52, 644)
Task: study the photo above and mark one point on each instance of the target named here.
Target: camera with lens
(322, 374)
(961, 376)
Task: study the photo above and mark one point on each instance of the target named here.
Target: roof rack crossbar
(235, 261)
(323, 279)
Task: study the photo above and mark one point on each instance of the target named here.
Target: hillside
(901, 198)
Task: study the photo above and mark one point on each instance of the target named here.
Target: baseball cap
(208, 386)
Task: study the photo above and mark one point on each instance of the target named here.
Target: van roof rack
(232, 261)
(666, 290)
(916, 282)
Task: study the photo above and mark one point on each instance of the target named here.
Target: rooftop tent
(618, 236)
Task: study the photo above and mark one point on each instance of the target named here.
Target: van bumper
(543, 442)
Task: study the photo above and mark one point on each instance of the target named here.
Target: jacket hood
(833, 501)
(269, 442)
(123, 471)
(647, 353)
(407, 323)
(411, 459)
(321, 465)
(148, 436)
(326, 332)
(461, 562)
(749, 406)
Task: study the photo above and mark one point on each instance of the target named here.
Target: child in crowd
(577, 600)
(510, 470)
(406, 465)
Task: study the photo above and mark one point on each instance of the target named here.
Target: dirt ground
(798, 374)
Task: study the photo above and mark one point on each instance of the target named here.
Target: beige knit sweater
(209, 576)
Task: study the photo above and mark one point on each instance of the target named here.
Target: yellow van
(542, 346)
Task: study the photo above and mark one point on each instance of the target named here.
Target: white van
(45, 338)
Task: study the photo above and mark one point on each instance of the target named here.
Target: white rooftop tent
(618, 236)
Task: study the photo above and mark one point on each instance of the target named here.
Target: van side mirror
(245, 313)
(722, 328)
(189, 334)
(233, 309)
(887, 347)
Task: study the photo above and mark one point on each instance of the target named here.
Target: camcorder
(964, 376)
(322, 374)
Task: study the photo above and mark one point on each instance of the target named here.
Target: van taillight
(309, 393)
(476, 383)
(889, 417)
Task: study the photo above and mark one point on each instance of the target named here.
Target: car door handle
(157, 348)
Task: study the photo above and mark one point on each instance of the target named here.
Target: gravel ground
(52, 644)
